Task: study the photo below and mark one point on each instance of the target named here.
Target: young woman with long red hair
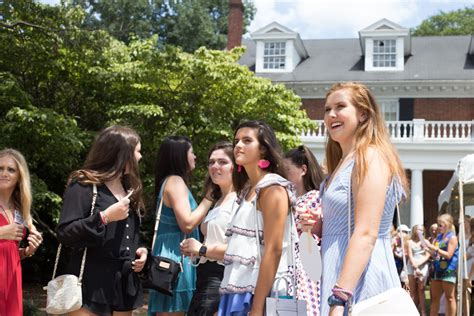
(364, 170)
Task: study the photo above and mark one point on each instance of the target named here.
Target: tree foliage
(459, 22)
(61, 82)
(188, 24)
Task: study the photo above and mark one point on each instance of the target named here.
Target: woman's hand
(138, 264)
(119, 211)
(190, 247)
(255, 313)
(309, 219)
(12, 231)
(34, 241)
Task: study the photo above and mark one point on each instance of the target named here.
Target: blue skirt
(237, 304)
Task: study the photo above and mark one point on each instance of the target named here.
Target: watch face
(202, 251)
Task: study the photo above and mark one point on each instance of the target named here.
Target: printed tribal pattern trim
(230, 289)
(244, 232)
(229, 259)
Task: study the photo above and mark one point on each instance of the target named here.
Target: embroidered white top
(240, 259)
(215, 224)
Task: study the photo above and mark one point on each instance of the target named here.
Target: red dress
(11, 300)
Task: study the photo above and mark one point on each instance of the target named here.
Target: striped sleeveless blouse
(380, 273)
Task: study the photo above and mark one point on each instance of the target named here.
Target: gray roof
(432, 58)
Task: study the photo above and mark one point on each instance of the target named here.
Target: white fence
(417, 130)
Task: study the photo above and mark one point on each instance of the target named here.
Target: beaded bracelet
(341, 292)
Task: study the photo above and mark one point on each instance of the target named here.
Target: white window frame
(369, 56)
(388, 103)
(274, 55)
(384, 54)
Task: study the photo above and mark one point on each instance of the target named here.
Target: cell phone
(18, 218)
(129, 194)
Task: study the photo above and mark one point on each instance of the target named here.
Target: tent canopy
(465, 173)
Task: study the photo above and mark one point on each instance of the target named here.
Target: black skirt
(205, 301)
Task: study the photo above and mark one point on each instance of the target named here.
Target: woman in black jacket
(111, 234)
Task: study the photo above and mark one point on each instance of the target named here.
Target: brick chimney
(235, 24)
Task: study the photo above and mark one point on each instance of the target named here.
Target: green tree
(459, 22)
(60, 83)
(185, 23)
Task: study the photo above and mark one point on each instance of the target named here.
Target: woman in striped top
(365, 174)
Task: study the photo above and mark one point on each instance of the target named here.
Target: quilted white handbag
(393, 302)
(64, 293)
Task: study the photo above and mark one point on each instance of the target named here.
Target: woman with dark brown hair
(179, 219)
(259, 244)
(111, 234)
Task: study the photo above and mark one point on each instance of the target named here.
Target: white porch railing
(414, 131)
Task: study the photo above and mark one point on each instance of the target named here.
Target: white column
(416, 201)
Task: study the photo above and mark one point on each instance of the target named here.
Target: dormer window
(278, 50)
(385, 53)
(274, 55)
(385, 45)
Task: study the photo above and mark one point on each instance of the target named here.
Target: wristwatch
(202, 251)
(333, 300)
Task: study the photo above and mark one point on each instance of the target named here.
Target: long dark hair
(112, 151)
(270, 150)
(228, 149)
(302, 155)
(172, 159)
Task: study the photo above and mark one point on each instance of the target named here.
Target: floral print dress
(307, 290)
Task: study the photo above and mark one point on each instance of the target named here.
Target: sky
(343, 18)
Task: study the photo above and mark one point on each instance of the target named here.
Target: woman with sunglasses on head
(210, 269)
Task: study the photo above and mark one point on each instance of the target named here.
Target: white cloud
(344, 18)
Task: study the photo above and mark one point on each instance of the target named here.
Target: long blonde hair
(371, 132)
(21, 195)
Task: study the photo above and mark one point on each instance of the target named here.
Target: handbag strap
(292, 243)
(158, 213)
(349, 210)
(58, 253)
(157, 220)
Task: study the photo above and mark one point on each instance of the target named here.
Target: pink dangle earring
(239, 168)
(263, 163)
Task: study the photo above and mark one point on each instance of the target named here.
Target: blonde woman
(418, 262)
(445, 254)
(361, 161)
(15, 218)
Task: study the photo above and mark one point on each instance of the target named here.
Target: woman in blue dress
(180, 217)
(364, 166)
